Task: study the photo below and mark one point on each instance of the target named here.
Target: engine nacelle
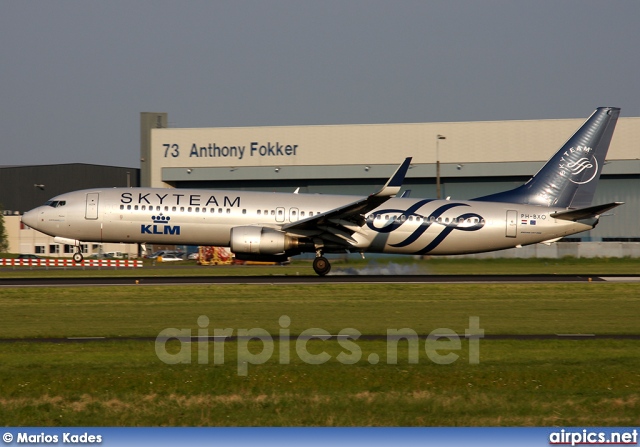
(261, 241)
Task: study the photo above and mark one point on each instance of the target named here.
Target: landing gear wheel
(77, 257)
(321, 265)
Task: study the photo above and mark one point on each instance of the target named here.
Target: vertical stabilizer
(570, 177)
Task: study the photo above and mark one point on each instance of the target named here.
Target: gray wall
(18, 193)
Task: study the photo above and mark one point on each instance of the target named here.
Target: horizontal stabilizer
(585, 213)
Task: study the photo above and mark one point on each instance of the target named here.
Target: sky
(76, 74)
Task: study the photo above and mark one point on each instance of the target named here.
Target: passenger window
(173, 208)
(244, 211)
(228, 211)
(182, 209)
(259, 212)
(220, 210)
(128, 207)
(121, 207)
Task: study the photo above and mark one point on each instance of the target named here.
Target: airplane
(554, 203)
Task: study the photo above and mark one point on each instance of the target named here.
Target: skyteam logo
(160, 226)
(582, 170)
(461, 222)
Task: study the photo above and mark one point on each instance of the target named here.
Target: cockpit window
(55, 203)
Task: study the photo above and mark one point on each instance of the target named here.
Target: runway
(307, 280)
(364, 337)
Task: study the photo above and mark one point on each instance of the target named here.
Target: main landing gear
(321, 265)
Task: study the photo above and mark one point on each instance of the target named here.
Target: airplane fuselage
(207, 217)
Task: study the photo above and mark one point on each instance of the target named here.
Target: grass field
(516, 382)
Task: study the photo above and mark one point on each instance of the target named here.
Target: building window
(39, 249)
(54, 249)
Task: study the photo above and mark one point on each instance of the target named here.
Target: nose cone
(30, 218)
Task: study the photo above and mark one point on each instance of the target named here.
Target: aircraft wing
(340, 223)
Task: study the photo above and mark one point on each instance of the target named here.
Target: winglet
(393, 185)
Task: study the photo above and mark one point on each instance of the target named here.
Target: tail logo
(579, 166)
(576, 169)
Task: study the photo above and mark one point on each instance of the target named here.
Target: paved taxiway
(312, 279)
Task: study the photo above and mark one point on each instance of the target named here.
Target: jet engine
(262, 241)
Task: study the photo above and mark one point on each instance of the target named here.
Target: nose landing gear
(77, 256)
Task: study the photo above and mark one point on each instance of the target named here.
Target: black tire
(77, 257)
(321, 265)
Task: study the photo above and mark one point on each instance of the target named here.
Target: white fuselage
(206, 217)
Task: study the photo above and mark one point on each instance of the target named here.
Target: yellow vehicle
(208, 255)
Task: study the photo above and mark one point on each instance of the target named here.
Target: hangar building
(476, 159)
